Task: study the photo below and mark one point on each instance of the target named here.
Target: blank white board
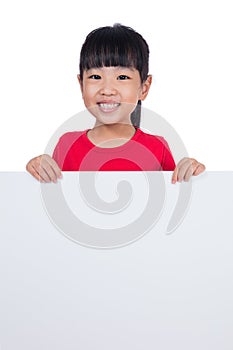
(159, 291)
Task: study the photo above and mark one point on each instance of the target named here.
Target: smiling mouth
(108, 107)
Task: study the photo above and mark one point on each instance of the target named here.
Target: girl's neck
(118, 129)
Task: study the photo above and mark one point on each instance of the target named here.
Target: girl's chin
(111, 119)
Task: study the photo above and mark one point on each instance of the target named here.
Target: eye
(94, 76)
(123, 77)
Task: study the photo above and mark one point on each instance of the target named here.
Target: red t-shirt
(75, 152)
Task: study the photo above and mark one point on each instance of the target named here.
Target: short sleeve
(63, 146)
(168, 163)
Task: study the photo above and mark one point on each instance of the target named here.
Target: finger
(51, 168)
(39, 173)
(45, 177)
(200, 168)
(54, 166)
(192, 165)
(184, 170)
(46, 171)
(189, 172)
(34, 172)
(195, 169)
(40, 166)
(174, 175)
(177, 170)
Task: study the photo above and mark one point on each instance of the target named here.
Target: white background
(191, 63)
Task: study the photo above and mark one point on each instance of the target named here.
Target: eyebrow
(116, 68)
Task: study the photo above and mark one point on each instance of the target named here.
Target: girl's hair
(115, 46)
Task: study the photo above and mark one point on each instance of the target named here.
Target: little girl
(113, 80)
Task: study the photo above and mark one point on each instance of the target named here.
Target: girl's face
(111, 93)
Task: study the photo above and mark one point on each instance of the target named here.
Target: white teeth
(109, 105)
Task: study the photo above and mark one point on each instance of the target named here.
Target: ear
(146, 87)
(80, 82)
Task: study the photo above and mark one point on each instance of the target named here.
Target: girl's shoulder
(71, 136)
(151, 137)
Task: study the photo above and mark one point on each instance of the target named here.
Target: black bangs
(115, 46)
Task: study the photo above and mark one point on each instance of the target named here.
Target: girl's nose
(108, 88)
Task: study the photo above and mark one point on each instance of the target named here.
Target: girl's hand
(44, 168)
(186, 168)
